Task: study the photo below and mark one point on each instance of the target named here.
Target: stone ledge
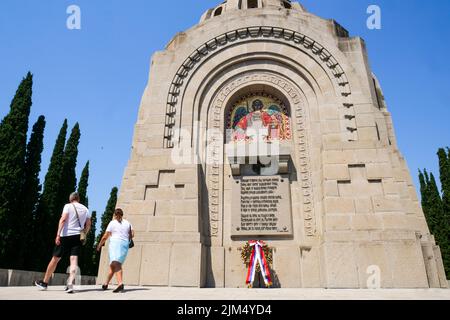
(20, 278)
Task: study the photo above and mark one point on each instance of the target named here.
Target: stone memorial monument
(265, 122)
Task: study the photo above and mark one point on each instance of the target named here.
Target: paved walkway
(147, 293)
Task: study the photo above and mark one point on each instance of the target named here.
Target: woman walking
(121, 233)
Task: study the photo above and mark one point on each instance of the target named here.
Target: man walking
(75, 218)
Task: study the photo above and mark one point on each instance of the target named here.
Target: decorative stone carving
(303, 42)
(213, 175)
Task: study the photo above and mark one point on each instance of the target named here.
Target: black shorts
(70, 244)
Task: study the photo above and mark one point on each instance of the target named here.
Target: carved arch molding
(216, 121)
(301, 41)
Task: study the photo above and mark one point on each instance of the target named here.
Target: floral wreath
(256, 254)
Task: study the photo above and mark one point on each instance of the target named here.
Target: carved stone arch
(256, 62)
(197, 98)
(214, 171)
(194, 61)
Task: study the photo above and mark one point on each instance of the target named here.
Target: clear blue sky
(97, 75)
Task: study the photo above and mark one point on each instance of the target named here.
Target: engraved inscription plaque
(261, 206)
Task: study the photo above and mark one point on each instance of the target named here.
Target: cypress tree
(68, 181)
(444, 222)
(30, 194)
(424, 182)
(83, 185)
(13, 140)
(432, 204)
(88, 262)
(435, 203)
(47, 211)
(444, 168)
(437, 208)
(86, 259)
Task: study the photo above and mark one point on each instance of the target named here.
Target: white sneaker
(69, 289)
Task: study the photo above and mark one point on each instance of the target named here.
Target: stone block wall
(353, 202)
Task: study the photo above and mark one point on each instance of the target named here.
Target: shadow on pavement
(88, 290)
(139, 289)
(109, 290)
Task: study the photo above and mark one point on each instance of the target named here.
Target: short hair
(118, 215)
(74, 196)
(118, 212)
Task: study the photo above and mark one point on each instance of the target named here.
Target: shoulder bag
(83, 234)
(131, 245)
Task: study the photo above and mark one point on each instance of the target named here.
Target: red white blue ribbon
(256, 257)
